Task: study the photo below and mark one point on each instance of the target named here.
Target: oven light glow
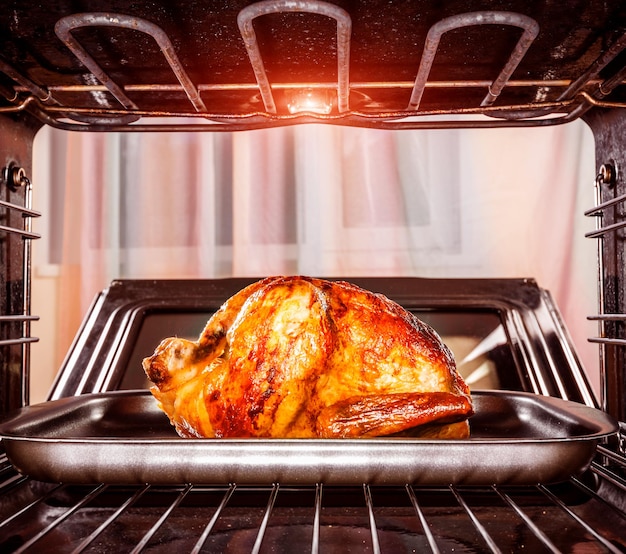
(309, 100)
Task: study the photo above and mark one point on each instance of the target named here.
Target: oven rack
(312, 518)
(569, 98)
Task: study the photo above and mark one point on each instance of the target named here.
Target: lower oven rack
(580, 513)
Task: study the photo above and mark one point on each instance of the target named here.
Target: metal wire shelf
(253, 518)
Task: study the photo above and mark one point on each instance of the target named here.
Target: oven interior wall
(16, 143)
(531, 186)
(610, 134)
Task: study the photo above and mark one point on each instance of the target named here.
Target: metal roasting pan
(123, 437)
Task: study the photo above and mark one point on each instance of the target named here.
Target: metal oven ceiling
(226, 65)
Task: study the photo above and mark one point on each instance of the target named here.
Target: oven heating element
(574, 97)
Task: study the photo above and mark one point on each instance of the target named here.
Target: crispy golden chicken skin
(298, 357)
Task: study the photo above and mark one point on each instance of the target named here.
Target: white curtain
(326, 201)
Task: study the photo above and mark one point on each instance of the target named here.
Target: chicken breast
(298, 357)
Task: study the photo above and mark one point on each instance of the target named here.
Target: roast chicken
(299, 357)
